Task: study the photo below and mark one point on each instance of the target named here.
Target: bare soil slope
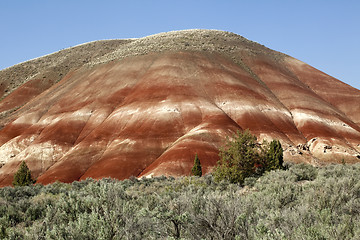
(145, 107)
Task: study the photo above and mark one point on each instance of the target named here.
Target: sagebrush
(302, 202)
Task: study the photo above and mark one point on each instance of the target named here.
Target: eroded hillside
(146, 106)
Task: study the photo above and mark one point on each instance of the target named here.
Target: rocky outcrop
(146, 106)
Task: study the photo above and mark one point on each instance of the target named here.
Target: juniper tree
(274, 156)
(243, 157)
(196, 169)
(239, 158)
(23, 176)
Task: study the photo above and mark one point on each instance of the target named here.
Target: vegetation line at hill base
(302, 202)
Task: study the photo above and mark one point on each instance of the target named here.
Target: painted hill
(144, 107)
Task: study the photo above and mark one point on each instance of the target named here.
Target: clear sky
(322, 33)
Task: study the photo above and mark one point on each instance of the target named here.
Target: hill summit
(147, 106)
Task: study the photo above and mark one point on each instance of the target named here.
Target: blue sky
(324, 34)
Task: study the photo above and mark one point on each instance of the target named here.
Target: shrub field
(302, 202)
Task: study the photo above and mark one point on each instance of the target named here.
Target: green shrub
(304, 172)
(2, 232)
(196, 169)
(274, 156)
(243, 157)
(23, 176)
(238, 159)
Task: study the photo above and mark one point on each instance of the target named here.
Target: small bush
(304, 172)
(243, 157)
(196, 169)
(23, 176)
(274, 156)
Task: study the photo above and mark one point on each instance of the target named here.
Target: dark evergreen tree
(196, 169)
(239, 158)
(23, 176)
(274, 156)
(243, 157)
